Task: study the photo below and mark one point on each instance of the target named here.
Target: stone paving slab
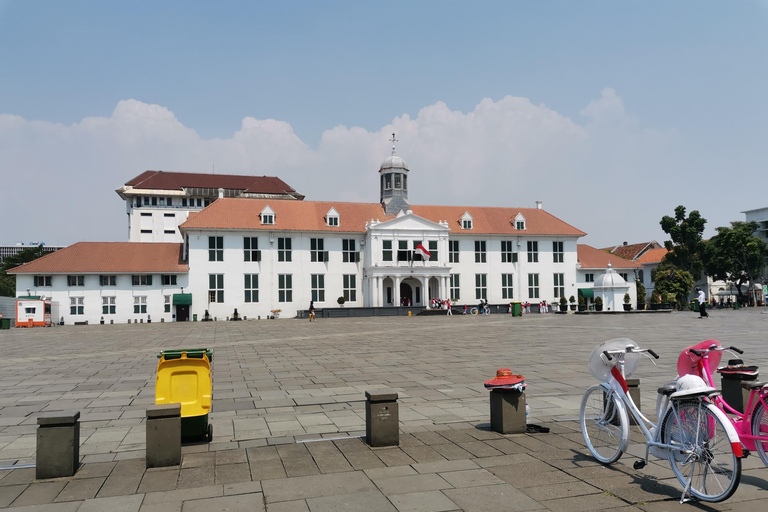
(278, 383)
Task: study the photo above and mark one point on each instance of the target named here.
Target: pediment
(409, 222)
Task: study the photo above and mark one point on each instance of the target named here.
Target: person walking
(702, 304)
(448, 306)
(311, 310)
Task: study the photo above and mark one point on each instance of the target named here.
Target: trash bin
(735, 305)
(732, 376)
(517, 309)
(194, 317)
(5, 323)
(184, 376)
(695, 305)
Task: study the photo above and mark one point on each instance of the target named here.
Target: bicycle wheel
(604, 424)
(760, 428)
(474, 311)
(705, 463)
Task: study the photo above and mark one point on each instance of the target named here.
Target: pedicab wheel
(210, 433)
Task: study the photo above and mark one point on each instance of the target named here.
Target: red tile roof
(631, 251)
(652, 256)
(162, 180)
(116, 257)
(236, 213)
(589, 257)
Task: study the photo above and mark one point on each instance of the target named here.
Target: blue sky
(612, 113)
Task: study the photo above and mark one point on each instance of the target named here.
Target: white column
(396, 291)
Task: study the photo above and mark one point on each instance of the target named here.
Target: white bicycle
(696, 437)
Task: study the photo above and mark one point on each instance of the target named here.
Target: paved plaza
(289, 410)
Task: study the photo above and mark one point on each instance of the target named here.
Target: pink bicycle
(752, 425)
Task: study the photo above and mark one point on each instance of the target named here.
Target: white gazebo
(612, 287)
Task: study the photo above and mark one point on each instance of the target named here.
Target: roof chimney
(538, 205)
(221, 193)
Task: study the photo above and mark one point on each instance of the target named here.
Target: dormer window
(332, 218)
(520, 222)
(267, 216)
(466, 221)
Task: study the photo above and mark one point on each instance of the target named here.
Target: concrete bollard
(508, 411)
(382, 419)
(734, 393)
(163, 435)
(58, 444)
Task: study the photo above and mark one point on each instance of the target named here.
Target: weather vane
(393, 140)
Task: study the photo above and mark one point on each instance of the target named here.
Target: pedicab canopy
(505, 379)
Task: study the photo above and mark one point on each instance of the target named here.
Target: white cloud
(59, 181)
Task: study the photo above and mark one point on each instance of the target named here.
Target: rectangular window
(170, 215)
(146, 231)
(183, 201)
(455, 288)
(533, 252)
(139, 305)
(589, 278)
(453, 251)
(481, 286)
(42, 281)
(267, 218)
(146, 200)
(520, 225)
(557, 252)
(285, 287)
(350, 287)
(432, 250)
(251, 287)
(142, 280)
(479, 251)
(108, 306)
(154, 201)
(168, 280)
(640, 275)
(333, 222)
(316, 249)
(146, 214)
(507, 287)
(169, 202)
(283, 249)
(348, 251)
(466, 224)
(77, 305)
(108, 280)
(397, 181)
(507, 256)
(169, 232)
(251, 250)
(559, 280)
(403, 254)
(533, 286)
(215, 248)
(386, 253)
(318, 287)
(215, 287)
(76, 280)
(167, 303)
(624, 276)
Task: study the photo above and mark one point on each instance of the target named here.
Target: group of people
(436, 303)
(525, 307)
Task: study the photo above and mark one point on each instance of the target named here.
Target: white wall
(92, 293)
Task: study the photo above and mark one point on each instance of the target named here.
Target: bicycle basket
(687, 363)
(602, 371)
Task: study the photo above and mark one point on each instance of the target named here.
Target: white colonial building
(261, 254)
(158, 201)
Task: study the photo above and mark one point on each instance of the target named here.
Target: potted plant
(640, 289)
(572, 300)
(655, 300)
(666, 300)
(341, 300)
(582, 303)
(563, 304)
(627, 305)
(598, 303)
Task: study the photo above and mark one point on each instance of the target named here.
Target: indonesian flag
(423, 252)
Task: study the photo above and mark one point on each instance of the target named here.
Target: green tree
(640, 290)
(668, 278)
(8, 282)
(686, 244)
(735, 255)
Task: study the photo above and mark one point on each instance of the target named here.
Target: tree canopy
(686, 244)
(736, 255)
(8, 282)
(668, 278)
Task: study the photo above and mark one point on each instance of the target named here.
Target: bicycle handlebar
(701, 353)
(736, 350)
(629, 350)
(654, 354)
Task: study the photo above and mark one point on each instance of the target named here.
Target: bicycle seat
(753, 384)
(692, 393)
(689, 386)
(667, 389)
